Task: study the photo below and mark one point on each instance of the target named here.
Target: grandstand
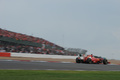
(22, 43)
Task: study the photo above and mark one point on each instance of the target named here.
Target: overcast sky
(93, 25)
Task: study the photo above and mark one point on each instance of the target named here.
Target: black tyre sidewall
(77, 60)
(89, 61)
(105, 61)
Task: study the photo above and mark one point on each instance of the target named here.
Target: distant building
(75, 50)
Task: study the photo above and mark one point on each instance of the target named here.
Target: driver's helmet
(91, 55)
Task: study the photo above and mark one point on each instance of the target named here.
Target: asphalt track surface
(24, 65)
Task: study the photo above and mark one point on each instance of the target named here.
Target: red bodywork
(94, 60)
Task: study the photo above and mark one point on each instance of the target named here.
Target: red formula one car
(90, 59)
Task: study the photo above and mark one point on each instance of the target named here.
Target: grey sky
(93, 25)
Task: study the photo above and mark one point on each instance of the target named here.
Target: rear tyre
(77, 60)
(105, 61)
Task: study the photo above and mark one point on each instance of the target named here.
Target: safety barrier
(5, 54)
(42, 56)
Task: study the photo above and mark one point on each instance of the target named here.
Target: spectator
(43, 46)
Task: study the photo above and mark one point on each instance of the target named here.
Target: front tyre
(105, 61)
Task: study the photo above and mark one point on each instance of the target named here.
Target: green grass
(58, 75)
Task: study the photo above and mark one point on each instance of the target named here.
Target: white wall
(42, 56)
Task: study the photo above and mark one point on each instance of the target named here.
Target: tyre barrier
(5, 54)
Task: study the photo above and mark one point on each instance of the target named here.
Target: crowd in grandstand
(29, 49)
(24, 37)
(21, 48)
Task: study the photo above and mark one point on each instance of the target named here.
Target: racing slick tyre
(77, 60)
(105, 61)
(89, 61)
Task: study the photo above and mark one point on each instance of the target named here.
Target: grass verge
(58, 75)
